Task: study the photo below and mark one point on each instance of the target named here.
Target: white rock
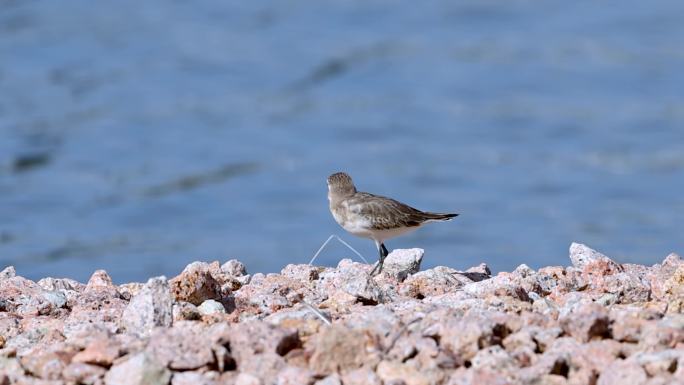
(332, 379)
(234, 268)
(401, 263)
(152, 306)
(581, 255)
(211, 306)
(56, 298)
(247, 379)
(138, 370)
(8, 272)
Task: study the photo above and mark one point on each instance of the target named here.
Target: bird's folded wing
(385, 213)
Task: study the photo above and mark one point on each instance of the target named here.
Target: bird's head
(340, 185)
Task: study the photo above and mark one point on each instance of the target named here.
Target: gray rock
(234, 268)
(191, 378)
(352, 278)
(401, 263)
(581, 255)
(211, 306)
(300, 272)
(138, 370)
(186, 346)
(153, 306)
(332, 379)
(56, 298)
(63, 284)
(99, 279)
(8, 272)
(185, 311)
(622, 373)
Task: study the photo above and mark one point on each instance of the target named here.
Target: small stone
(46, 363)
(493, 358)
(293, 375)
(139, 369)
(186, 346)
(332, 379)
(195, 284)
(185, 311)
(587, 321)
(352, 278)
(191, 378)
(247, 379)
(152, 307)
(8, 272)
(338, 348)
(622, 372)
(56, 298)
(581, 256)
(61, 284)
(211, 306)
(433, 282)
(101, 352)
(300, 272)
(81, 373)
(361, 376)
(234, 268)
(398, 372)
(659, 363)
(99, 279)
(401, 263)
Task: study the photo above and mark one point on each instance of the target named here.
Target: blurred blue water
(140, 136)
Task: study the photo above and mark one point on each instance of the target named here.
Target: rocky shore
(594, 322)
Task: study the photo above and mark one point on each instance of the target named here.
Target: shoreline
(595, 322)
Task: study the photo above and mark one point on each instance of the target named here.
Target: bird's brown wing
(385, 213)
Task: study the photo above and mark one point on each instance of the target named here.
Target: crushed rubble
(595, 322)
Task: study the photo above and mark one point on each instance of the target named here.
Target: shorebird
(373, 216)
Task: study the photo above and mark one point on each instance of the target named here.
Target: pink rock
(186, 346)
(301, 272)
(495, 358)
(622, 372)
(394, 372)
(98, 310)
(503, 285)
(46, 362)
(332, 379)
(466, 335)
(337, 348)
(193, 378)
(586, 322)
(433, 282)
(258, 348)
(196, 284)
(361, 376)
(292, 375)
(478, 377)
(99, 280)
(139, 369)
(247, 379)
(102, 351)
(583, 256)
(81, 373)
(269, 294)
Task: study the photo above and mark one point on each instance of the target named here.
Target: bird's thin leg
(382, 250)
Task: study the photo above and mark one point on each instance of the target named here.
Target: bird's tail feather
(439, 216)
